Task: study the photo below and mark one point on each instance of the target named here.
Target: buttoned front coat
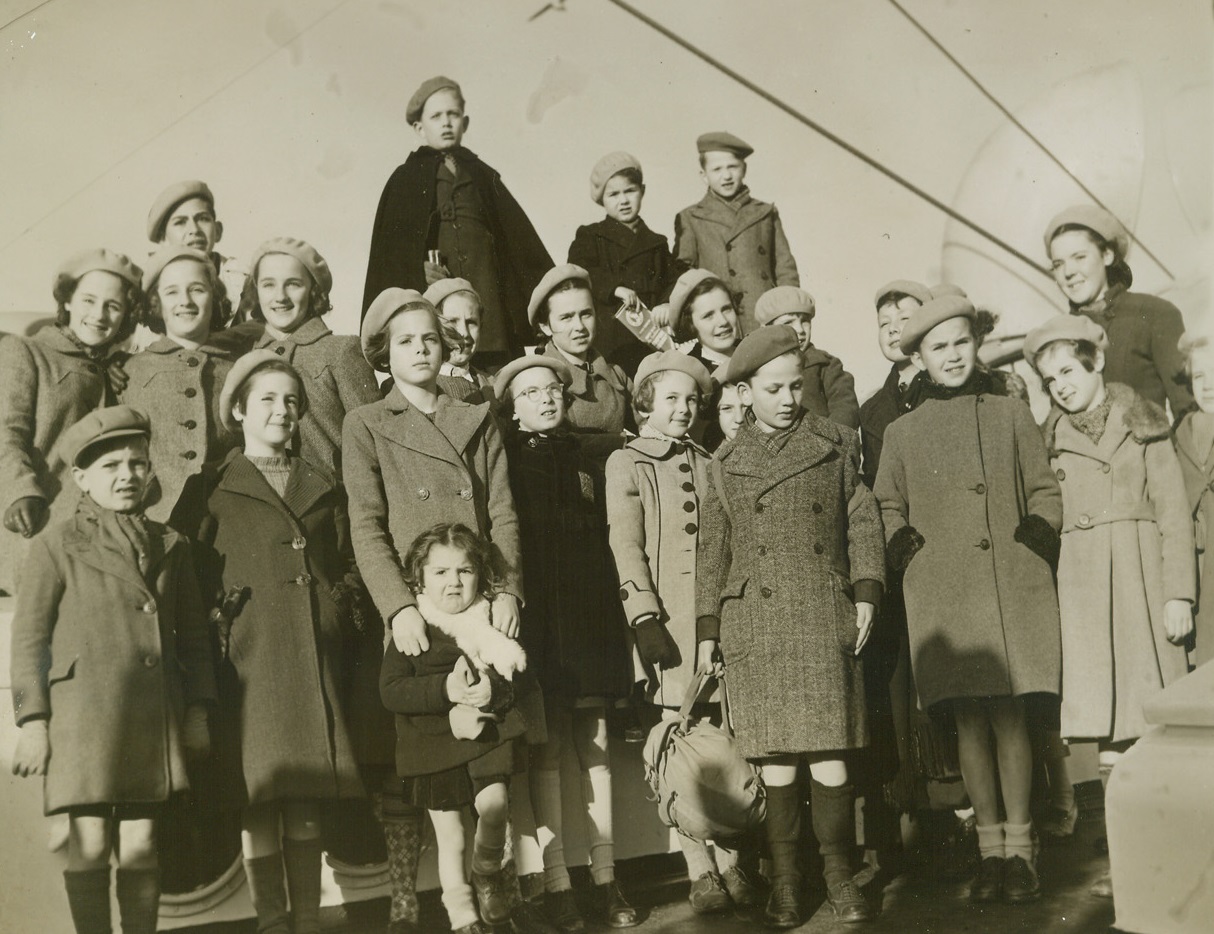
(1127, 547)
(981, 608)
(111, 658)
(787, 544)
(1197, 467)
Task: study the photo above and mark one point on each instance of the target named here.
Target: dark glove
(501, 696)
(116, 374)
(230, 605)
(1039, 537)
(350, 604)
(903, 545)
(655, 644)
(26, 516)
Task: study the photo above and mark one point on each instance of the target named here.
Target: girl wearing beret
(1126, 576)
(705, 317)
(572, 626)
(51, 381)
(288, 289)
(463, 313)
(1086, 246)
(972, 512)
(177, 378)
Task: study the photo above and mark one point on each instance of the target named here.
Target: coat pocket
(737, 633)
(844, 605)
(62, 669)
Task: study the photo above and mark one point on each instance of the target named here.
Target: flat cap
(169, 252)
(417, 103)
(244, 365)
(916, 290)
(167, 201)
(683, 286)
(552, 278)
(759, 347)
(720, 141)
(302, 251)
(1098, 219)
(1063, 328)
(504, 376)
(932, 313)
(941, 289)
(611, 164)
(443, 289)
(783, 300)
(112, 421)
(387, 303)
(1194, 340)
(100, 259)
(664, 360)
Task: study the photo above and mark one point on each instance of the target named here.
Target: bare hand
(1178, 620)
(661, 315)
(409, 632)
(26, 516)
(435, 272)
(626, 295)
(33, 749)
(462, 689)
(505, 614)
(708, 659)
(864, 624)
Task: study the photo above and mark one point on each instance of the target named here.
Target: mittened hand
(33, 749)
(195, 733)
(26, 516)
(1039, 537)
(903, 545)
(655, 644)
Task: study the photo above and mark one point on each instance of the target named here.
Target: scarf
(472, 629)
(1093, 423)
(978, 384)
(126, 533)
(1100, 310)
(772, 441)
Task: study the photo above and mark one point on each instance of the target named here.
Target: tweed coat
(47, 384)
(1127, 547)
(337, 378)
(405, 474)
(479, 388)
(110, 654)
(829, 390)
(981, 608)
(179, 391)
(740, 241)
(572, 626)
(1197, 466)
(789, 541)
(654, 491)
(282, 729)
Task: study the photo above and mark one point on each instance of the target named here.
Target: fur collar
(1142, 419)
(473, 632)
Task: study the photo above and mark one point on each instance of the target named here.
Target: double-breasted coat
(47, 384)
(654, 490)
(110, 651)
(790, 540)
(1127, 547)
(1195, 447)
(282, 729)
(742, 242)
(337, 378)
(178, 389)
(981, 607)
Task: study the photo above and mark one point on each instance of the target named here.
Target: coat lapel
(83, 542)
(1069, 438)
(305, 487)
(810, 444)
(239, 476)
(750, 213)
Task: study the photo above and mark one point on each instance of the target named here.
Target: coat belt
(1127, 512)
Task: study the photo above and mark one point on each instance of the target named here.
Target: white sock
(990, 841)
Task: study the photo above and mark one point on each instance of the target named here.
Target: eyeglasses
(537, 394)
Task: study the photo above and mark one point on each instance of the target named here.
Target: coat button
(1060, 474)
(765, 591)
(818, 549)
(91, 367)
(985, 544)
(689, 507)
(758, 507)
(685, 468)
(691, 528)
(728, 247)
(149, 607)
(191, 361)
(816, 507)
(423, 493)
(189, 424)
(762, 251)
(189, 392)
(303, 580)
(299, 543)
(1105, 468)
(623, 594)
(532, 442)
(189, 455)
(280, 350)
(1084, 521)
(465, 493)
(732, 273)
(150, 661)
(689, 487)
(762, 549)
(980, 489)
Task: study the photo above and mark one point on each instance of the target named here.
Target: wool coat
(1197, 466)
(111, 654)
(337, 378)
(572, 626)
(473, 386)
(178, 389)
(405, 474)
(409, 222)
(47, 384)
(615, 255)
(600, 398)
(741, 242)
(282, 725)
(876, 414)
(789, 541)
(1127, 547)
(654, 492)
(829, 390)
(981, 607)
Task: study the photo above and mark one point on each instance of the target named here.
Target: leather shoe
(476, 927)
(848, 902)
(783, 906)
(492, 896)
(1020, 882)
(708, 895)
(561, 909)
(618, 913)
(988, 884)
(740, 888)
(527, 918)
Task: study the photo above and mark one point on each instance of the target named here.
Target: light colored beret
(942, 289)
(169, 252)
(167, 201)
(501, 382)
(1063, 328)
(674, 360)
(241, 369)
(932, 313)
(552, 278)
(387, 303)
(417, 103)
(302, 251)
(783, 300)
(443, 289)
(100, 259)
(759, 347)
(916, 290)
(1098, 219)
(720, 375)
(720, 141)
(683, 286)
(611, 164)
(1194, 340)
(111, 421)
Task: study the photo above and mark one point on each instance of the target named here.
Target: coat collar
(56, 339)
(309, 332)
(813, 441)
(662, 448)
(455, 424)
(305, 486)
(1130, 416)
(83, 540)
(598, 368)
(630, 241)
(165, 347)
(712, 209)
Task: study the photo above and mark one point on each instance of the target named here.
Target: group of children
(227, 539)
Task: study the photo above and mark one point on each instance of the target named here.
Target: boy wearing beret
(444, 200)
(460, 308)
(730, 233)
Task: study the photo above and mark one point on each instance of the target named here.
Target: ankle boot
(88, 897)
(302, 861)
(268, 893)
(138, 899)
(783, 830)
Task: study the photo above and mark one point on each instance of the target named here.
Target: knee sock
(88, 897)
(1062, 792)
(268, 893)
(834, 822)
(990, 841)
(546, 802)
(1018, 841)
(783, 830)
(488, 848)
(596, 785)
(695, 852)
(461, 908)
(302, 861)
(138, 899)
(402, 827)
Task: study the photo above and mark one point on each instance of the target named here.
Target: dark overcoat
(788, 544)
(111, 657)
(282, 727)
(876, 414)
(828, 389)
(981, 608)
(1197, 467)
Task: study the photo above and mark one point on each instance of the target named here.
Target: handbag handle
(700, 680)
